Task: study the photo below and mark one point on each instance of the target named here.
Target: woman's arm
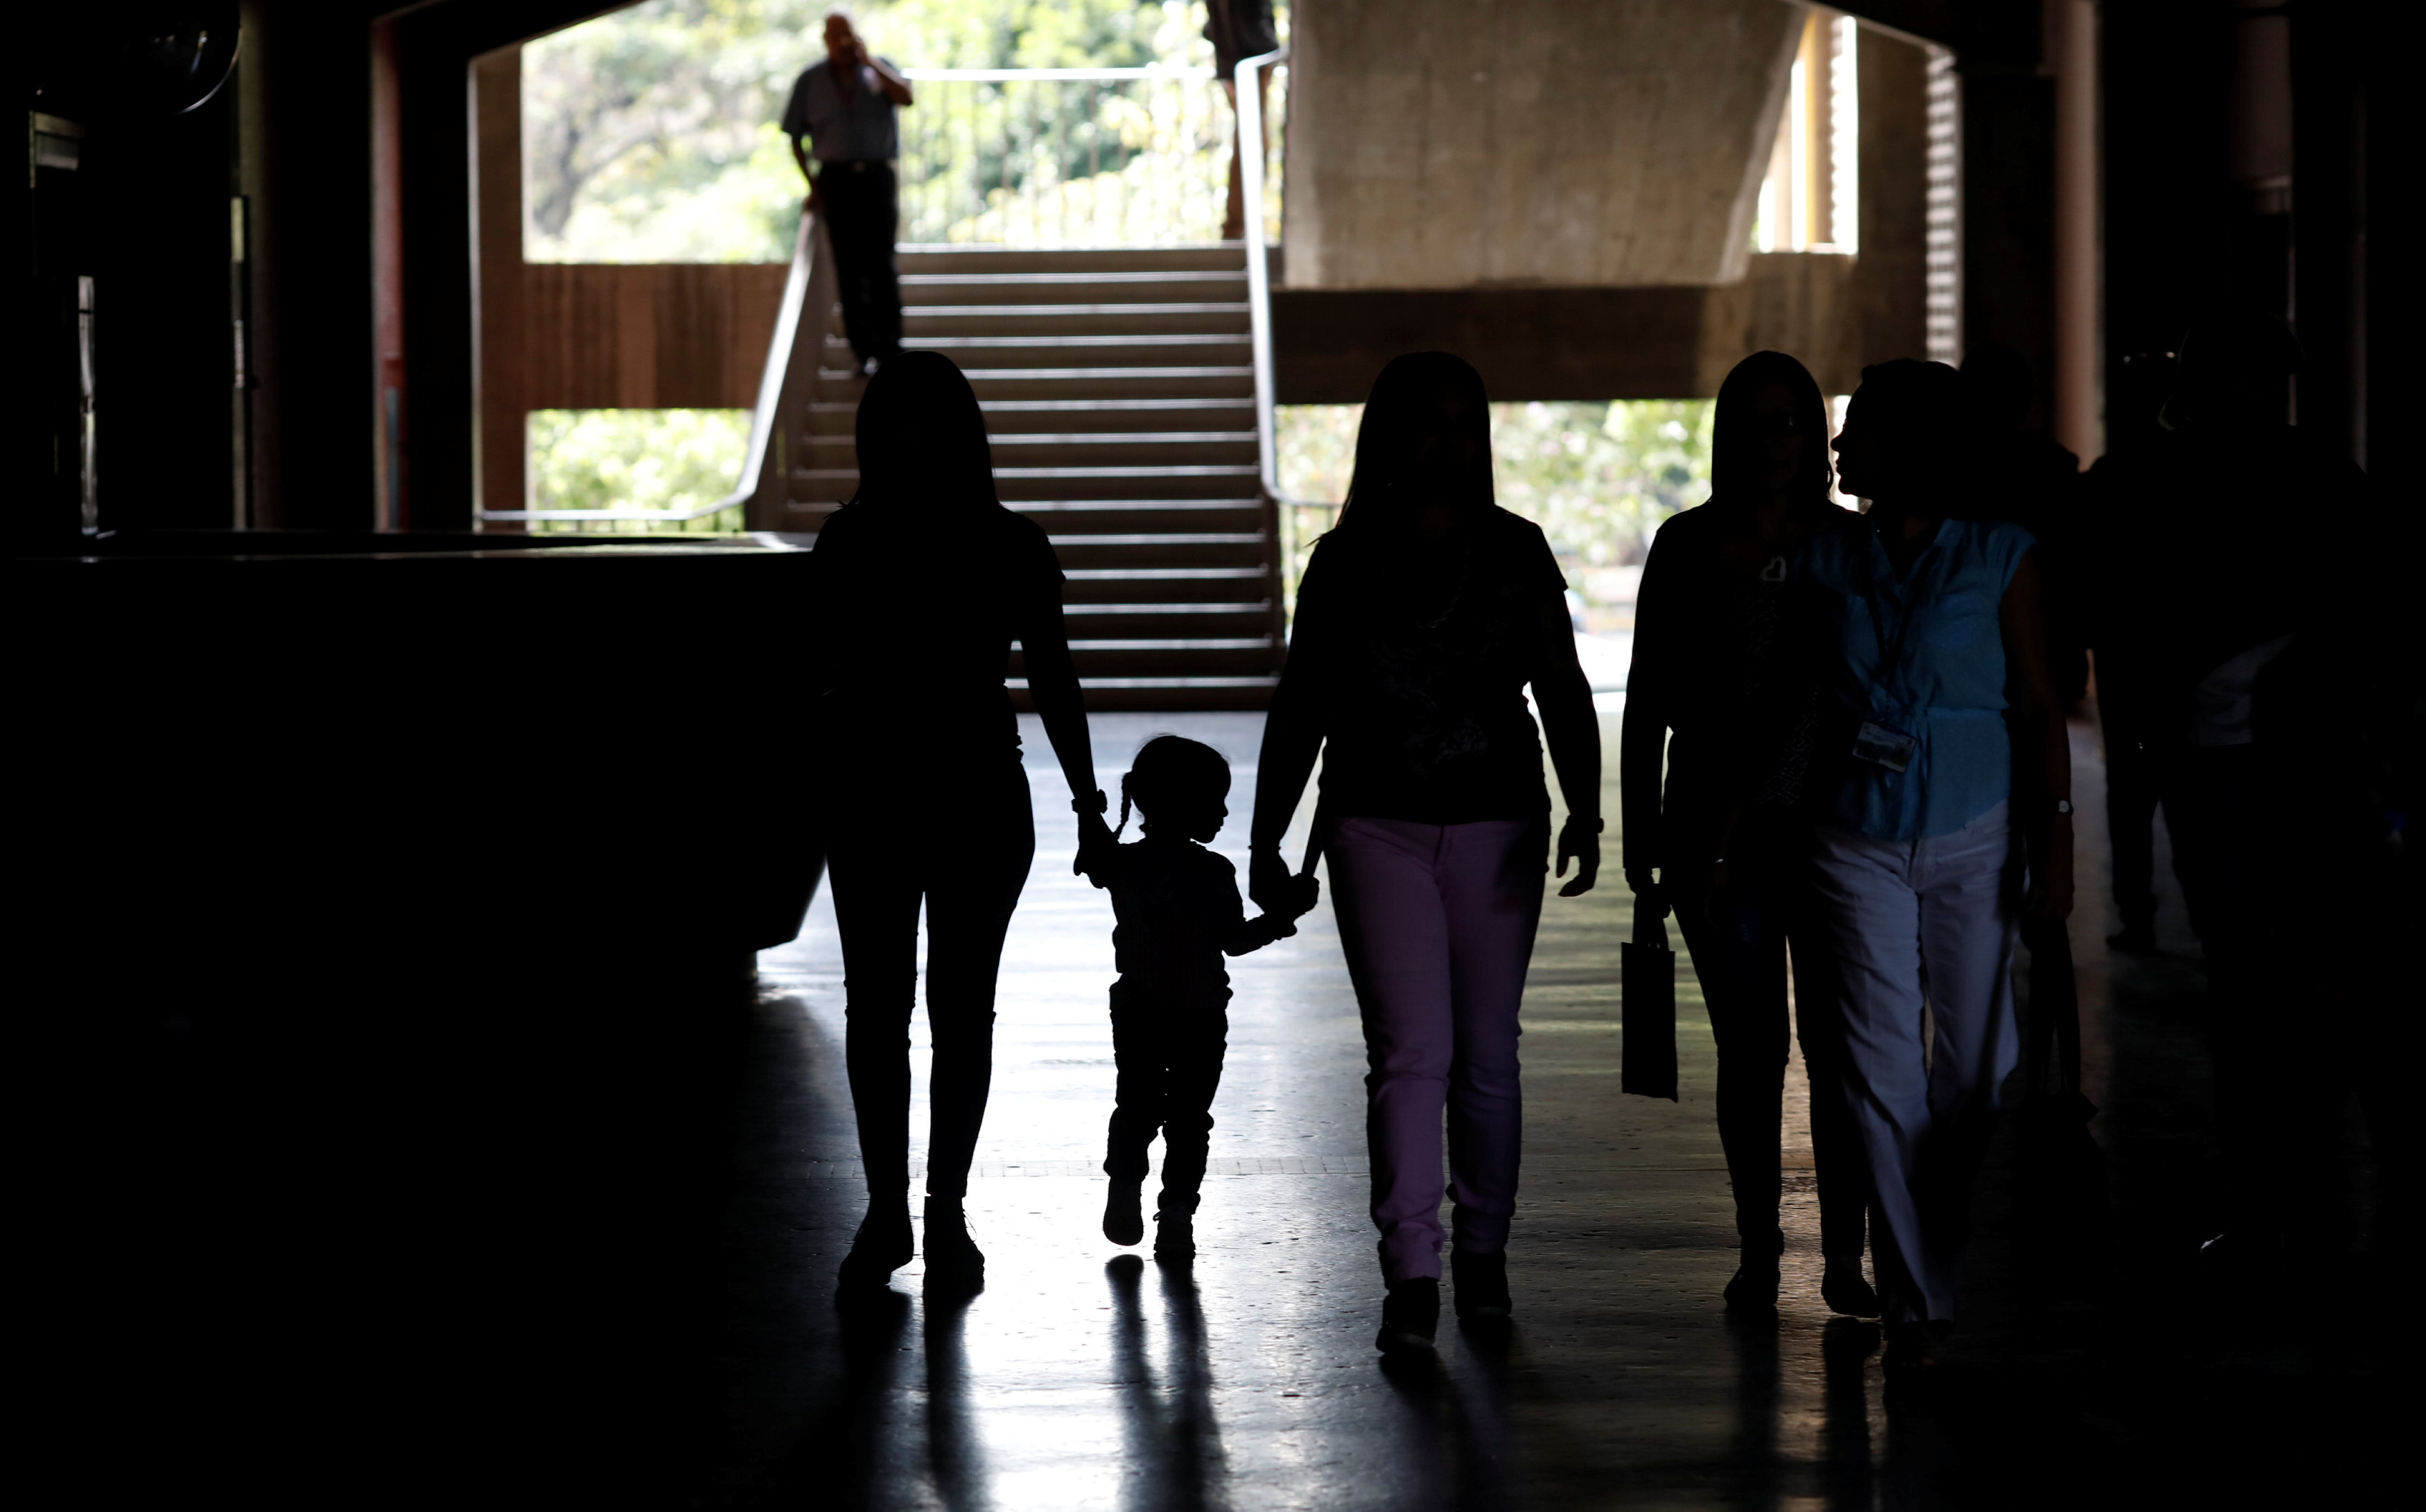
(1572, 730)
(1292, 738)
(1053, 683)
(2041, 755)
(1642, 739)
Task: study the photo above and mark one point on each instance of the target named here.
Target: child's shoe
(1123, 1219)
(1175, 1237)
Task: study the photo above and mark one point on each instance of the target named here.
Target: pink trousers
(1438, 923)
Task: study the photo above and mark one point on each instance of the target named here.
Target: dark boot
(1843, 1287)
(1174, 1238)
(1752, 1293)
(1410, 1316)
(953, 1259)
(1123, 1216)
(883, 1245)
(1479, 1281)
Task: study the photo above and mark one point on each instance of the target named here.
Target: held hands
(1095, 842)
(1579, 841)
(1270, 882)
(1299, 896)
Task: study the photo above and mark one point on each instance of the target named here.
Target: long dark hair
(922, 438)
(1737, 459)
(1403, 411)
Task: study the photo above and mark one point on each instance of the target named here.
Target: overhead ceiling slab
(1582, 143)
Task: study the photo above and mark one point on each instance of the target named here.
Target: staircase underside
(1119, 395)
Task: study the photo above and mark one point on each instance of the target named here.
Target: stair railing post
(1249, 98)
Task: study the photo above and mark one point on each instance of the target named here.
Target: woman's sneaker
(1410, 1318)
(1123, 1216)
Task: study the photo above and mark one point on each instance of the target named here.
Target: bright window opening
(1810, 201)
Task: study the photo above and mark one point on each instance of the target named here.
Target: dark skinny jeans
(1739, 954)
(1169, 1047)
(967, 861)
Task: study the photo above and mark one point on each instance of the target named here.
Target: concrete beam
(1436, 144)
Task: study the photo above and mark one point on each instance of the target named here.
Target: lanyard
(1890, 655)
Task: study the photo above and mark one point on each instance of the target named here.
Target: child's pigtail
(1124, 805)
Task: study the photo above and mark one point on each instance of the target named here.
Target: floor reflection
(1170, 1438)
(1846, 1346)
(1752, 1462)
(955, 1449)
(853, 1453)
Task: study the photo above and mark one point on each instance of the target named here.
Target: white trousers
(1923, 925)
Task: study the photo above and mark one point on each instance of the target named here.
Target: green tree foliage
(636, 460)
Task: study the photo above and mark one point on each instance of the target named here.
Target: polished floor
(2089, 1368)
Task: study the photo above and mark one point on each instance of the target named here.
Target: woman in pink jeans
(1420, 622)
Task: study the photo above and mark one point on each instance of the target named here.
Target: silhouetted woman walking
(1711, 663)
(1946, 744)
(918, 586)
(1422, 619)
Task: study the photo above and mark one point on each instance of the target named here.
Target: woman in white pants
(1952, 747)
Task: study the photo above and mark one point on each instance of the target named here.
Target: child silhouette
(1179, 911)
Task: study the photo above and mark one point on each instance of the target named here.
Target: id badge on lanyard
(1885, 746)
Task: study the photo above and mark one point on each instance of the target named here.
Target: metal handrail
(1259, 272)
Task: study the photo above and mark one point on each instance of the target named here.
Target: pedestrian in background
(1944, 744)
(1725, 833)
(1239, 29)
(843, 105)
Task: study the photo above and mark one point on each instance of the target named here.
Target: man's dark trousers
(862, 212)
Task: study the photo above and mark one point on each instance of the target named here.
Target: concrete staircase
(1119, 398)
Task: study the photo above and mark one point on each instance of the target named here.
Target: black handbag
(1647, 1005)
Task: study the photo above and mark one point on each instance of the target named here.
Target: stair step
(1112, 351)
(1172, 659)
(1064, 517)
(1101, 449)
(1063, 417)
(920, 325)
(1208, 381)
(1077, 554)
(920, 258)
(1167, 621)
(920, 290)
(1167, 695)
(1015, 484)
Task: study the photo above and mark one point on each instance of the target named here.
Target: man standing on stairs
(843, 105)
(1238, 29)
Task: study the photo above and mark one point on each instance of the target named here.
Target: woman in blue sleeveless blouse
(1948, 746)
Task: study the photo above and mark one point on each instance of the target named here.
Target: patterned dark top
(1420, 654)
